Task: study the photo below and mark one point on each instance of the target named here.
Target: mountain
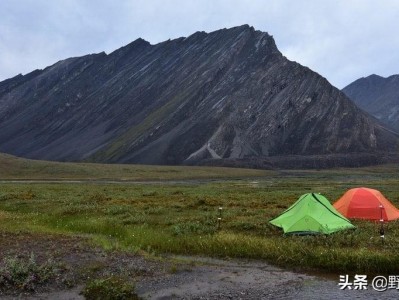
(228, 95)
(378, 96)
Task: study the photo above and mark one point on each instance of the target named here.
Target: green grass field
(15, 168)
(181, 217)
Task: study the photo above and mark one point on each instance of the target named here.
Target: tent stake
(219, 218)
(382, 231)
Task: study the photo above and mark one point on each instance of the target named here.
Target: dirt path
(167, 277)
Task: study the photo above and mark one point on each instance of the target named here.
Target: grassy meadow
(181, 217)
(15, 168)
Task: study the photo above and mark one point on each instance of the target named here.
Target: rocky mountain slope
(378, 96)
(228, 94)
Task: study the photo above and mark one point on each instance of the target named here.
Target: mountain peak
(375, 77)
(139, 42)
(221, 96)
(133, 46)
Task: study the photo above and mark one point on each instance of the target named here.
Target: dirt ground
(163, 277)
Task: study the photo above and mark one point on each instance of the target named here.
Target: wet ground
(239, 279)
(170, 277)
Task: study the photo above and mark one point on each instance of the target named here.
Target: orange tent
(365, 203)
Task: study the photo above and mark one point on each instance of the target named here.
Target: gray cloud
(341, 40)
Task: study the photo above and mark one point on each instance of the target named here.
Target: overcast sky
(342, 40)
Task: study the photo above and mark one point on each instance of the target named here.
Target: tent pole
(382, 231)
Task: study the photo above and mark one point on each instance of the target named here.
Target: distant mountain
(378, 96)
(220, 96)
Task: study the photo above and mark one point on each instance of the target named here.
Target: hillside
(378, 96)
(208, 98)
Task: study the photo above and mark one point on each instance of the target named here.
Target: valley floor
(59, 239)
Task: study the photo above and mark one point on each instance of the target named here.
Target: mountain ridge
(378, 96)
(228, 94)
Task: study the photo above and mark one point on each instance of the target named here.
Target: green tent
(310, 214)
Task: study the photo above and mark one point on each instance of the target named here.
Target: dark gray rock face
(229, 94)
(378, 96)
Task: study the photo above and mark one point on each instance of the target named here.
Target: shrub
(25, 274)
(111, 288)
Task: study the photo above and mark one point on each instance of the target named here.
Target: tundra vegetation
(181, 217)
